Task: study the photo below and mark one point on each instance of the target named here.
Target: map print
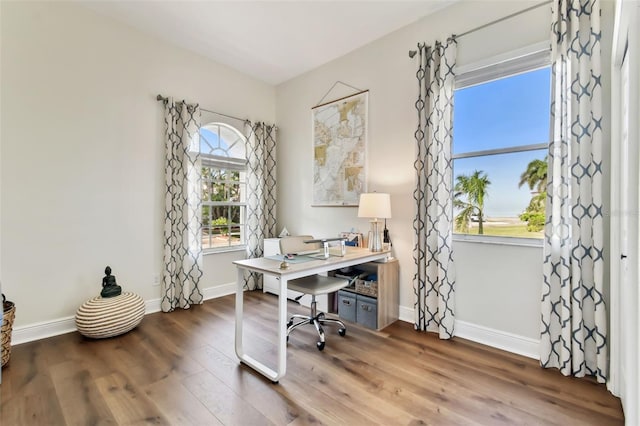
(339, 151)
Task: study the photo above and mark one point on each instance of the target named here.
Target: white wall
(82, 153)
(624, 338)
(500, 302)
(497, 281)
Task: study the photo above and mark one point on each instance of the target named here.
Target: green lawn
(511, 230)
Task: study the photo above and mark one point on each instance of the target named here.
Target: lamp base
(376, 242)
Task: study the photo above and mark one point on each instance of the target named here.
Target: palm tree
(469, 195)
(535, 176)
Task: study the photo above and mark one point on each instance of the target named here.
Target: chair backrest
(297, 244)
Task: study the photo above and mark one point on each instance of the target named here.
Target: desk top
(353, 256)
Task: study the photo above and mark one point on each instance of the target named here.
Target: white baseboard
(506, 341)
(42, 330)
(153, 305)
(219, 291)
(407, 314)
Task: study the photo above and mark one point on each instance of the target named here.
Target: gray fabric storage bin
(367, 311)
(347, 306)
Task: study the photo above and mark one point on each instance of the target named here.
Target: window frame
(510, 64)
(227, 164)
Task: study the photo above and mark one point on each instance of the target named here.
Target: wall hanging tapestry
(339, 150)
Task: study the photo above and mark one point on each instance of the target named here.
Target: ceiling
(272, 41)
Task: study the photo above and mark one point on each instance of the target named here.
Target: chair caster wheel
(342, 331)
(320, 345)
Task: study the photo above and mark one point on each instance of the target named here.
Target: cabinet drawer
(367, 311)
(347, 306)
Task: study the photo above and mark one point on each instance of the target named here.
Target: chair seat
(317, 284)
(314, 285)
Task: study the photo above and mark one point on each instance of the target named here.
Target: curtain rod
(163, 99)
(412, 53)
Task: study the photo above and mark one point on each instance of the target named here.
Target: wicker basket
(8, 314)
(369, 288)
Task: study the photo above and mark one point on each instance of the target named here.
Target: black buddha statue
(109, 286)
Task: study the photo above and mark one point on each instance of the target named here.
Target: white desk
(354, 256)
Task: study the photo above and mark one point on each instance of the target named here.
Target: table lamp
(375, 206)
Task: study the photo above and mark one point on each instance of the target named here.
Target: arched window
(224, 164)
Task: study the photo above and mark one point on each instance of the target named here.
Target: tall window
(500, 142)
(224, 165)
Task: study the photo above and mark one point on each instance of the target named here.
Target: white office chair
(313, 285)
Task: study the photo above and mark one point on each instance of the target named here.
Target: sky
(512, 111)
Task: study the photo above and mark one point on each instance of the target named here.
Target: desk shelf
(385, 307)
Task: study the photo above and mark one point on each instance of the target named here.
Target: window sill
(207, 252)
(496, 240)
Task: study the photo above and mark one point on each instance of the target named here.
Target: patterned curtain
(574, 322)
(434, 280)
(182, 223)
(261, 192)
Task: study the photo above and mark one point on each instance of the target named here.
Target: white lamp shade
(375, 204)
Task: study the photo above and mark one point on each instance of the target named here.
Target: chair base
(318, 319)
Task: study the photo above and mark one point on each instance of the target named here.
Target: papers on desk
(354, 239)
(290, 259)
(308, 255)
(301, 253)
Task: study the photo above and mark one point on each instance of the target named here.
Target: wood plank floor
(181, 369)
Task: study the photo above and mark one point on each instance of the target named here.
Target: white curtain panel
(261, 192)
(434, 279)
(183, 207)
(574, 321)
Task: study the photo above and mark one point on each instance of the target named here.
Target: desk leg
(282, 327)
(239, 312)
(274, 376)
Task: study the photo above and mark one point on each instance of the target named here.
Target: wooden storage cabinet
(373, 312)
